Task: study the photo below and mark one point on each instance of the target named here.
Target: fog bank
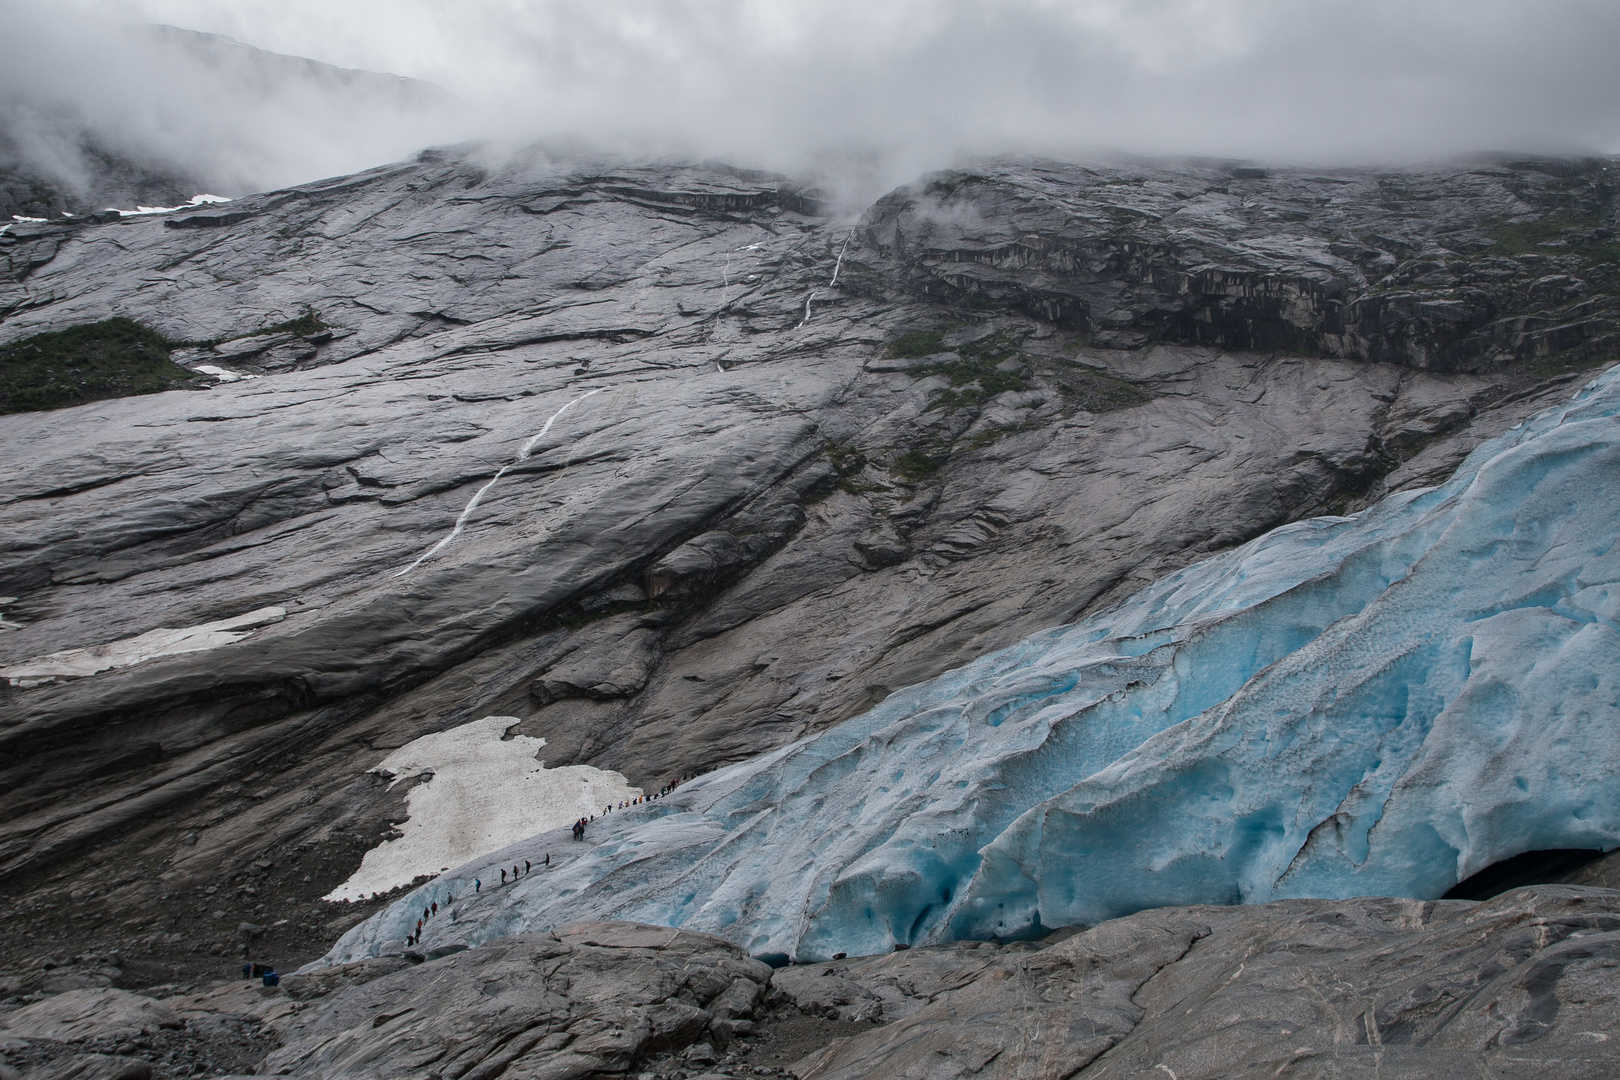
(866, 94)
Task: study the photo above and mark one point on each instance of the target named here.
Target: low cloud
(865, 94)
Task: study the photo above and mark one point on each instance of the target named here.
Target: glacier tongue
(1381, 704)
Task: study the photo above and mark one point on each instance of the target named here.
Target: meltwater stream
(1382, 704)
(472, 504)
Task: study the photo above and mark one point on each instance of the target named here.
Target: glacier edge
(1381, 704)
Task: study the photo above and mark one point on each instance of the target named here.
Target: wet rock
(881, 988)
(97, 1067)
(1306, 987)
(591, 997)
(610, 669)
(87, 1014)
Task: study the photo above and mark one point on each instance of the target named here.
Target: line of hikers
(579, 834)
(638, 800)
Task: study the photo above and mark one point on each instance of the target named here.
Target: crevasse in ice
(1381, 704)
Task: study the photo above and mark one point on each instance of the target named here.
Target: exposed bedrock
(608, 450)
(1519, 987)
(1452, 269)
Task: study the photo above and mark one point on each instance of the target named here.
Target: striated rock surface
(1457, 269)
(592, 998)
(668, 462)
(1521, 986)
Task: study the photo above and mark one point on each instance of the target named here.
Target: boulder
(90, 1014)
(594, 997)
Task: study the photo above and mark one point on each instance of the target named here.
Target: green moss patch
(914, 344)
(1584, 235)
(918, 464)
(110, 359)
(306, 325)
(979, 375)
(1095, 392)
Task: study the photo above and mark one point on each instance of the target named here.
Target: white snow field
(1383, 704)
(481, 794)
(81, 663)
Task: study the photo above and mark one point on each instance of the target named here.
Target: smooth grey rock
(595, 997)
(96, 1067)
(1313, 988)
(87, 1014)
(885, 987)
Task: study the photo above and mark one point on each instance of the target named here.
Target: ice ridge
(1380, 704)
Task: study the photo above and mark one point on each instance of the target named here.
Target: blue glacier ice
(1379, 704)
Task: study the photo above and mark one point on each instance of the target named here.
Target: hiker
(478, 886)
(548, 858)
(514, 872)
(525, 866)
(435, 907)
(426, 914)
(503, 877)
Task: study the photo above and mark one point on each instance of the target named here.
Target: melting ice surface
(1381, 704)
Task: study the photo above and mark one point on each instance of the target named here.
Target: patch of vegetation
(1585, 235)
(949, 186)
(915, 344)
(918, 464)
(849, 463)
(996, 434)
(110, 359)
(1095, 392)
(305, 325)
(978, 376)
(1570, 360)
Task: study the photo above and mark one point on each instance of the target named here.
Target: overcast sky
(897, 86)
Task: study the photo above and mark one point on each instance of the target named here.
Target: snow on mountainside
(1381, 704)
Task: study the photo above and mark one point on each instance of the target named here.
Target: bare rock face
(83, 1014)
(672, 465)
(1521, 986)
(591, 999)
(1459, 269)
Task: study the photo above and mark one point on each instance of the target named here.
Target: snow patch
(196, 200)
(222, 374)
(481, 792)
(80, 663)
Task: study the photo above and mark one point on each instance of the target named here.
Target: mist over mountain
(854, 97)
(93, 115)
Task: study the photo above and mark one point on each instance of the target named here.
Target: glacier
(1378, 704)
